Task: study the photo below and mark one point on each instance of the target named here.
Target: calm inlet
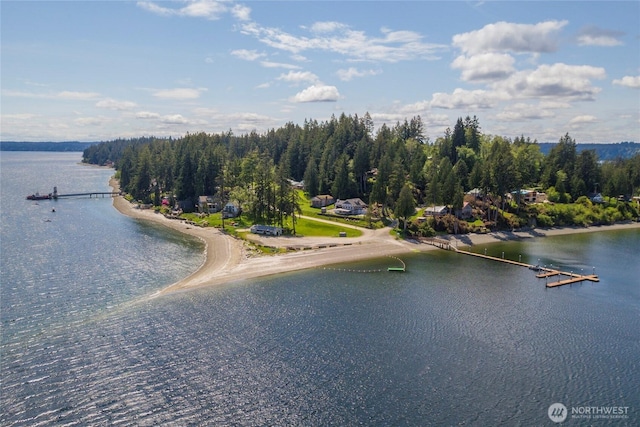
(454, 340)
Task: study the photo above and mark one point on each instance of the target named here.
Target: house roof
(435, 209)
(355, 201)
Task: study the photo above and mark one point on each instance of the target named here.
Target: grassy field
(304, 226)
(307, 227)
(359, 221)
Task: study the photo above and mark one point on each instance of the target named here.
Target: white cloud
(241, 12)
(594, 36)
(297, 77)
(249, 117)
(79, 96)
(523, 112)
(269, 64)
(90, 121)
(317, 94)
(579, 121)
(351, 73)
(327, 27)
(464, 99)
(174, 119)
(247, 55)
(64, 95)
(208, 9)
(510, 37)
(628, 81)
(113, 104)
(238, 121)
(338, 38)
(147, 115)
(178, 93)
(572, 82)
(485, 66)
(21, 116)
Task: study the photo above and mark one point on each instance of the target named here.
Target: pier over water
(544, 272)
(55, 195)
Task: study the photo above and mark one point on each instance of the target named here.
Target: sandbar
(229, 259)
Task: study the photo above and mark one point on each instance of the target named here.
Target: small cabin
(322, 201)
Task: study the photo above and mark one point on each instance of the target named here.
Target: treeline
(344, 157)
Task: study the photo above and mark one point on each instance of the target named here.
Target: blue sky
(92, 70)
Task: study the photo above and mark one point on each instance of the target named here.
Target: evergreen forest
(395, 170)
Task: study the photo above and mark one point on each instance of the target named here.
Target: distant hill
(620, 150)
(45, 146)
(613, 151)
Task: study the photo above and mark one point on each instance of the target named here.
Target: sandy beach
(228, 259)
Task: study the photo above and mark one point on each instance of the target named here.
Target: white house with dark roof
(350, 207)
(436, 210)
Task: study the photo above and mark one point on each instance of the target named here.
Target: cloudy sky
(91, 70)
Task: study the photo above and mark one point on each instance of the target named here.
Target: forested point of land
(45, 146)
(394, 170)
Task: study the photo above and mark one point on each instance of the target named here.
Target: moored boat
(39, 196)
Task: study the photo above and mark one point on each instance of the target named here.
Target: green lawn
(307, 227)
(307, 210)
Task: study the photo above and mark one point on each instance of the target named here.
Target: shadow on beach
(498, 236)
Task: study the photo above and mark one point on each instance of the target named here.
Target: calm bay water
(454, 340)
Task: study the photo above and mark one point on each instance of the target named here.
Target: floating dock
(573, 279)
(545, 272)
(399, 269)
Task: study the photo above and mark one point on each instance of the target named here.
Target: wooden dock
(493, 258)
(56, 196)
(94, 193)
(573, 279)
(544, 272)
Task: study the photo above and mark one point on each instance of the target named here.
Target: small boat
(39, 196)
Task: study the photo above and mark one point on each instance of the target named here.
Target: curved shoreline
(226, 259)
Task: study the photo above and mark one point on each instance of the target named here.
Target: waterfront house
(466, 211)
(350, 207)
(322, 201)
(207, 205)
(529, 196)
(231, 210)
(436, 210)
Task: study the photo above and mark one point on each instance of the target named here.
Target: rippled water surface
(454, 340)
